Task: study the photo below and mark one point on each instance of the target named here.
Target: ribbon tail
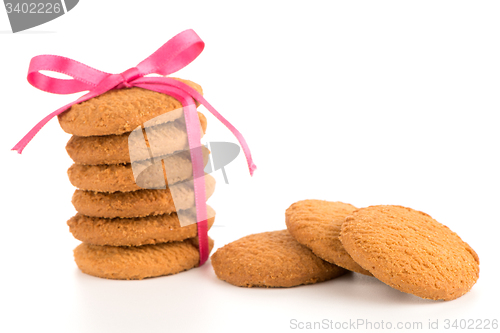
(203, 245)
(251, 165)
(194, 138)
(196, 95)
(27, 138)
(19, 147)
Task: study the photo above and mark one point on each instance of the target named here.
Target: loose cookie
(139, 203)
(137, 263)
(316, 224)
(135, 231)
(120, 177)
(410, 251)
(118, 111)
(114, 149)
(271, 259)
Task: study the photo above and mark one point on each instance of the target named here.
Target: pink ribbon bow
(175, 54)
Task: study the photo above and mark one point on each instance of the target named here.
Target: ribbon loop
(175, 54)
(84, 77)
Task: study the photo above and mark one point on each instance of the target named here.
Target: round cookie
(118, 111)
(114, 149)
(139, 203)
(137, 263)
(271, 259)
(120, 177)
(410, 251)
(134, 231)
(316, 224)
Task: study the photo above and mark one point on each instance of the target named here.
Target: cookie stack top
(118, 111)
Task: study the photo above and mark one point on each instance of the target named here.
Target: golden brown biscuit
(139, 203)
(114, 149)
(316, 224)
(134, 231)
(137, 263)
(271, 259)
(118, 111)
(120, 177)
(410, 251)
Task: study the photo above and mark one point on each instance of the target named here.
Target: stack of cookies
(127, 220)
(404, 248)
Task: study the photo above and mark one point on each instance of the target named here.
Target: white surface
(384, 102)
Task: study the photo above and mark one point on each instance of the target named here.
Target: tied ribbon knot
(129, 75)
(175, 54)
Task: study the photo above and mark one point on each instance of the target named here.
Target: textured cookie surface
(134, 231)
(120, 177)
(136, 263)
(118, 111)
(139, 203)
(114, 149)
(410, 251)
(271, 259)
(316, 224)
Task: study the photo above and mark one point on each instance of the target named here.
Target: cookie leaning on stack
(410, 251)
(316, 224)
(129, 232)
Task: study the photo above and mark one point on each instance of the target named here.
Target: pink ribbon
(175, 54)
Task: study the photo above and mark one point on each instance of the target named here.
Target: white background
(366, 102)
